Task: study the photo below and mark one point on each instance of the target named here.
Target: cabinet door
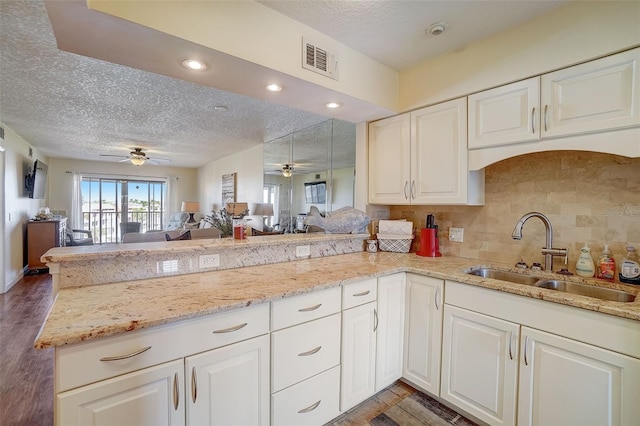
(229, 385)
(358, 355)
(389, 160)
(152, 396)
(390, 331)
(505, 115)
(595, 96)
(423, 332)
(439, 172)
(564, 382)
(479, 365)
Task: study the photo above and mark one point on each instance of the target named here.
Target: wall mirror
(312, 167)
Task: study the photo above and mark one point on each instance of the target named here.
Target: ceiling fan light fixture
(194, 65)
(287, 170)
(137, 161)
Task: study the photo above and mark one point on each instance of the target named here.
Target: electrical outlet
(303, 251)
(209, 261)
(456, 234)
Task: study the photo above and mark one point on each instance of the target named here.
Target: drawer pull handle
(310, 408)
(120, 357)
(364, 293)
(231, 329)
(310, 308)
(194, 385)
(311, 352)
(176, 392)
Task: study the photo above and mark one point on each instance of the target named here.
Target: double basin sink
(601, 293)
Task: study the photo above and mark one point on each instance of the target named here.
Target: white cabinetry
(479, 365)
(229, 385)
(421, 158)
(566, 109)
(423, 332)
(390, 330)
(567, 382)
(119, 401)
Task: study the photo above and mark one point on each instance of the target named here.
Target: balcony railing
(105, 226)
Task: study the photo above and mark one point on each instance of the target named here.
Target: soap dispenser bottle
(585, 266)
(606, 265)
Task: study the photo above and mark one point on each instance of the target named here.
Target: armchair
(177, 220)
(79, 237)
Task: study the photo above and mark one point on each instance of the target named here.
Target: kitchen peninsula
(110, 337)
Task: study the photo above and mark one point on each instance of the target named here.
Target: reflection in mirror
(311, 167)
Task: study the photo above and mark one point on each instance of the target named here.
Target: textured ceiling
(68, 105)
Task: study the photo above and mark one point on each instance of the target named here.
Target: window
(315, 192)
(109, 204)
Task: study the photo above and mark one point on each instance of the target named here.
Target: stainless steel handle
(119, 357)
(510, 341)
(436, 298)
(310, 408)
(311, 308)
(194, 385)
(533, 115)
(231, 329)
(545, 117)
(375, 320)
(364, 293)
(526, 343)
(406, 183)
(176, 392)
(311, 352)
(413, 189)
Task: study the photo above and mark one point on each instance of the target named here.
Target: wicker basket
(395, 243)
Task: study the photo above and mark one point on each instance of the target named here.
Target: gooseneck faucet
(547, 251)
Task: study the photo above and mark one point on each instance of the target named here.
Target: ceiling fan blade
(159, 160)
(113, 155)
(124, 160)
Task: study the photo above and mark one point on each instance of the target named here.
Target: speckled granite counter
(86, 313)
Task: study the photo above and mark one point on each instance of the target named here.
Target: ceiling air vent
(319, 60)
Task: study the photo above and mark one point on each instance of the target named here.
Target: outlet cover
(209, 261)
(303, 251)
(456, 234)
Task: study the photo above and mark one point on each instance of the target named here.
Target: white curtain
(170, 203)
(77, 221)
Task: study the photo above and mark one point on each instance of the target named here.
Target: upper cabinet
(421, 158)
(565, 109)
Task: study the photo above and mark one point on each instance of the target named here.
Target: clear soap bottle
(606, 269)
(630, 268)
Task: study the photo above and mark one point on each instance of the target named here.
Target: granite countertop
(86, 313)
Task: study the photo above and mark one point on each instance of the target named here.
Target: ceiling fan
(138, 158)
(289, 169)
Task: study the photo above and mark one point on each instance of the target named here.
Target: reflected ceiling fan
(137, 157)
(289, 169)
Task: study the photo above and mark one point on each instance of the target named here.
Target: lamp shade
(263, 209)
(190, 206)
(236, 209)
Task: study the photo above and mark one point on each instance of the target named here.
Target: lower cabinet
(390, 330)
(423, 332)
(118, 401)
(229, 385)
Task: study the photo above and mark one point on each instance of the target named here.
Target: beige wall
(574, 33)
(589, 197)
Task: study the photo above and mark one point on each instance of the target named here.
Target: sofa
(148, 237)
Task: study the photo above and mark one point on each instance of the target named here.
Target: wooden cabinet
(390, 330)
(229, 385)
(480, 365)
(567, 382)
(421, 158)
(118, 401)
(423, 332)
(41, 236)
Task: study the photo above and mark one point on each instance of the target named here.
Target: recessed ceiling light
(274, 87)
(220, 108)
(333, 105)
(437, 29)
(194, 65)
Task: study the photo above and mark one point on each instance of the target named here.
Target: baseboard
(15, 279)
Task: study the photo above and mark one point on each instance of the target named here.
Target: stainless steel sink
(512, 277)
(587, 290)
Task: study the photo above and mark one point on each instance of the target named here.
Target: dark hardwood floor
(26, 374)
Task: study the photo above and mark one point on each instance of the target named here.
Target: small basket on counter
(395, 235)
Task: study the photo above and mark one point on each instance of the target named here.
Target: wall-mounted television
(36, 182)
(315, 192)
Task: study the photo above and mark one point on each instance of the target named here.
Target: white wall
(60, 180)
(18, 208)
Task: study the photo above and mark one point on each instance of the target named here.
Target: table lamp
(190, 207)
(265, 210)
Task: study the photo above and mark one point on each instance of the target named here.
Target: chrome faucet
(549, 252)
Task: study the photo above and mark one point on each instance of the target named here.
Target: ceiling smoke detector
(437, 29)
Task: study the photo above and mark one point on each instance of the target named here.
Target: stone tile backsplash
(589, 197)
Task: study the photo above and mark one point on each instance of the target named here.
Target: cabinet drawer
(312, 402)
(296, 310)
(84, 363)
(359, 293)
(304, 350)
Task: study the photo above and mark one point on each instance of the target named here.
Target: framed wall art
(228, 188)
